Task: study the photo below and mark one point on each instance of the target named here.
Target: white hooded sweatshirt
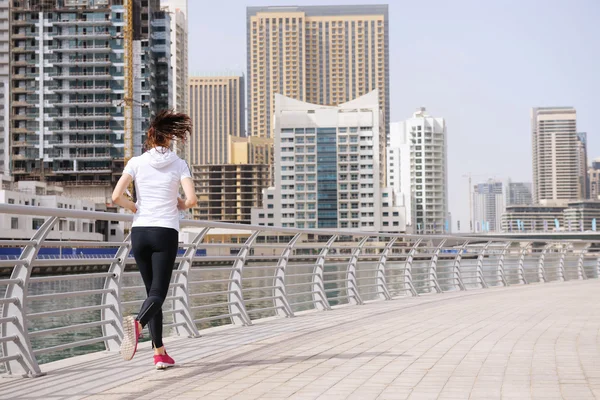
(157, 174)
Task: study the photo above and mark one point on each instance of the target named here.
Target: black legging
(154, 249)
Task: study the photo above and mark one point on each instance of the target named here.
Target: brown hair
(168, 125)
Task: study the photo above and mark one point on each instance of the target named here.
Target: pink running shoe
(163, 361)
(131, 335)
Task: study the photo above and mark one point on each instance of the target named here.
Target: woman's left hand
(132, 207)
(180, 204)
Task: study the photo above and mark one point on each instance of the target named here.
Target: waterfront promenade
(538, 341)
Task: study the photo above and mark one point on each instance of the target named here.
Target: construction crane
(470, 176)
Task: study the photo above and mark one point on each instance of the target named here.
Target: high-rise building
(217, 111)
(582, 166)
(518, 194)
(4, 86)
(398, 169)
(594, 179)
(153, 76)
(229, 192)
(329, 168)
(318, 54)
(160, 50)
(67, 77)
(488, 206)
(428, 172)
(556, 155)
(64, 125)
(179, 52)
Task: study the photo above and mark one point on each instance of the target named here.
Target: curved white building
(330, 168)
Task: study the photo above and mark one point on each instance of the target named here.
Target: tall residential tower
(68, 66)
(179, 60)
(428, 173)
(488, 206)
(557, 153)
(329, 169)
(4, 86)
(217, 111)
(324, 55)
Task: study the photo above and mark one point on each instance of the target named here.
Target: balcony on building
(79, 22)
(80, 61)
(85, 117)
(68, 75)
(82, 48)
(83, 89)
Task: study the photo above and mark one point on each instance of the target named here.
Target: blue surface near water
(71, 252)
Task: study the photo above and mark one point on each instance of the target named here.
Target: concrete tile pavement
(532, 342)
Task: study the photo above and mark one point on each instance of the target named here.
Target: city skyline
(473, 88)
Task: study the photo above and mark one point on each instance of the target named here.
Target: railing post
(237, 308)
(433, 267)
(351, 285)
(280, 300)
(408, 283)
(541, 270)
(561, 264)
(480, 257)
(318, 285)
(501, 273)
(26, 363)
(114, 314)
(181, 303)
(580, 262)
(456, 270)
(522, 263)
(382, 291)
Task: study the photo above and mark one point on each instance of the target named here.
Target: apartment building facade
(557, 156)
(329, 168)
(67, 102)
(325, 55)
(217, 112)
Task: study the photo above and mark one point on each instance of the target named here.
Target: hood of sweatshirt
(161, 157)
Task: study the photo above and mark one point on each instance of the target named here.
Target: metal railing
(233, 274)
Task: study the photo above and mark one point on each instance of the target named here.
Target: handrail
(102, 216)
(225, 283)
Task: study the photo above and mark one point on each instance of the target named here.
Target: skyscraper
(428, 172)
(68, 71)
(64, 125)
(556, 155)
(518, 194)
(179, 59)
(398, 168)
(4, 86)
(217, 111)
(329, 168)
(323, 55)
(582, 166)
(488, 206)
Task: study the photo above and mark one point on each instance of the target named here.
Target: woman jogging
(155, 230)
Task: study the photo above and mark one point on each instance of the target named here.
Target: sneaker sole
(130, 338)
(162, 365)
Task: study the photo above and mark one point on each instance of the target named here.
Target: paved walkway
(533, 342)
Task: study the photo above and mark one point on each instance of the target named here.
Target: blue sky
(481, 65)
